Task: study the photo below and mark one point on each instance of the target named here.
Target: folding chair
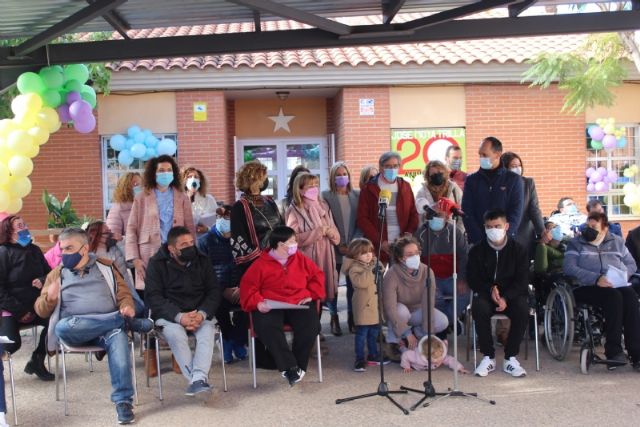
(7, 356)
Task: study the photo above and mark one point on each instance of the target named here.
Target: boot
(150, 364)
(335, 325)
(176, 367)
(36, 366)
(352, 326)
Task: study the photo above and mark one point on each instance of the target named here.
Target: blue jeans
(444, 298)
(368, 333)
(109, 334)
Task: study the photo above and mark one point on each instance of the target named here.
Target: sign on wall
(199, 111)
(367, 107)
(418, 146)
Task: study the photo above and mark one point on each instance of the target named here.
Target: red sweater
(299, 278)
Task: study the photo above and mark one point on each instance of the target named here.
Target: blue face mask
(24, 237)
(556, 234)
(137, 190)
(485, 163)
(390, 174)
(436, 223)
(69, 261)
(223, 225)
(571, 210)
(164, 178)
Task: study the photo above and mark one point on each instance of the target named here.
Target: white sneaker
(486, 365)
(512, 366)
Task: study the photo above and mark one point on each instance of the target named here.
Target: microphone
(383, 202)
(450, 207)
(429, 211)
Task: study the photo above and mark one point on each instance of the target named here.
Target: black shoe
(619, 359)
(125, 413)
(293, 375)
(336, 330)
(36, 366)
(360, 366)
(100, 355)
(636, 365)
(139, 324)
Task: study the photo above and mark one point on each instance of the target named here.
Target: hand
(36, 283)
(412, 341)
(495, 294)
(406, 370)
(231, 294)
(462, 370)
(545, 237)
(53, 290)
(197, 319)
(502, 304)
(603, 282)
(263, 307)
(27, 318)
(117, 236)
(201, 229)
(127, 311)
(343, 249)
(186, 320)
(305, 301)
(139, 266)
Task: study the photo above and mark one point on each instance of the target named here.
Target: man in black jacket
(498, 273)
(182, 292)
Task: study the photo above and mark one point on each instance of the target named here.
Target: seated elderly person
(589, 259)
(568, 217)
(550, 250)
(183, 295)
(283, 274)
(88, 301)
(595, 205)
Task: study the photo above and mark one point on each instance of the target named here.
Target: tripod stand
(453, 392)
(383, 387)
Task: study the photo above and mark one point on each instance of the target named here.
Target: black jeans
(10, 327)
(620, 307)
(233, 327)
(517, 311)
(305, 325)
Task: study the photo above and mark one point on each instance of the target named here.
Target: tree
(589, 72)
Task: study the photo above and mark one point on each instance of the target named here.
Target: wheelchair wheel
(585, 359)
(558, 322)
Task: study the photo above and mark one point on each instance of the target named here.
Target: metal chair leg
(253, 361)
(535, 319)
(224, 369)
(34, 332)
(146, 359)
(319, 350)
(157, 347)
(90, 361)
(64, 382)
(475, 356)
(57, 378)
(13, 389)
(133, 369)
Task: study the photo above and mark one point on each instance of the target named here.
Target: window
(112, 170)
(618, 161)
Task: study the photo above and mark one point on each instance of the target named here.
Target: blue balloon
(125, 158)
(138, 150)
(117, 142)
(147, 133)
(151, 141)
(166, 146)
(129, 143)
(133, 130)
(139, 138)
(622, 142)
(150, 154)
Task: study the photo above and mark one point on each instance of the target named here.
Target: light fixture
(282, 95)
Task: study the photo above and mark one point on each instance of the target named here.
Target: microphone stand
(383, 387)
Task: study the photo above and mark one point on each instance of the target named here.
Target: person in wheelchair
(595, 205)
(549, 257)
(567, 216)
(588, 259)
(498, 274)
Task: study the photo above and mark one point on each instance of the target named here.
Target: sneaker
(512, 366)
(360, 366)
(125, 413)
(293, 375)
(196, 387)
(140, 324)
(619, 359)
(375, 360)
(486, 365)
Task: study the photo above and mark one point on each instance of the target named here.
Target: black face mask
(265, 185)
(589, 234)
(188, 254)
(111, 242)
(437, 178)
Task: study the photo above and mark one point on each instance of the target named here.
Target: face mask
(495, 234)
(342, 181)
(292, 249)
(193, 183)
(223, 225)
(437, 178)
(188, 254)
(485, 163)
(556, 234)
(137, 190)
(436, 224)
(24, 237)
(265, 185)
(412, 262)
(70, 261)
(390, 174)
(589, 234)
(571, 210)
(311, 193)
(517, 170)
(455, 164)
(164, 179)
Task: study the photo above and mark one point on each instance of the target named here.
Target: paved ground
(557, 395)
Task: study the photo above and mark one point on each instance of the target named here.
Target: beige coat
(365, 295)
(143, 229)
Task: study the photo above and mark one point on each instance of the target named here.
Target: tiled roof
(502, 50)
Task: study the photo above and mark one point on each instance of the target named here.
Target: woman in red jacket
(284, 275)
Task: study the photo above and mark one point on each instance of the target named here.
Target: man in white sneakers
(498, 273)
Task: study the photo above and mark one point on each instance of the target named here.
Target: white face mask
(495, 235)
(517, 170)
(412, 262)
(193, 183)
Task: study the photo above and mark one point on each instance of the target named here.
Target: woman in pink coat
(316, 232)
(161, 206)
(129, 186)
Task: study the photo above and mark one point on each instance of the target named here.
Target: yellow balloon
(20, 166)
(4, 200)
(4, 175)
(50, 117)
(19, 187)
(39, 135)
(34, 151)
(15, 205)
(26, 121)
(30, 102)
(7, 126)
(19, 142)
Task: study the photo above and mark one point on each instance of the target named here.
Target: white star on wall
(281, 121)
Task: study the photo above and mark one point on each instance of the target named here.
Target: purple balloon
(591, 188)
(602, 170)
(80, 109)
(601, 186)
(589, 172)
(595, 177)
(85, 124)
(613, 176)
(609, 142)
(73, 97)
(63, 113)
(596, 133)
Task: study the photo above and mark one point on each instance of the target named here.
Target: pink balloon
(80, 109)
(609, 142)
(591, 188)
(63, 113)
(85, 124)
(601, 186)
(589, 172)
(73, 97)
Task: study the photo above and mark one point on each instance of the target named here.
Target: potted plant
(59, 215)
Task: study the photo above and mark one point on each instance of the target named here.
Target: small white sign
(367, 107)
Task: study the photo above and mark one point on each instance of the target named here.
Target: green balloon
(51, 98)
(51, 77)
(78, 72)
(30, 83)
(58, 68)
(88, 94)
(73, 86)
(596, 145)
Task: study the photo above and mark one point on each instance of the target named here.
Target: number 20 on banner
(416, 154)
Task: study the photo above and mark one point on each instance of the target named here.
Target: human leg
(78, 330)
(204, 351)
(439, 322)
(372, 340)
(305, 330)
(359, 341)
(176, 337)
(482, 309)
(10, 328)
(610, 300)
(36, 363)
(269, 328)
(116, 343)
(402, 317)
(631, 322)
(518, 312)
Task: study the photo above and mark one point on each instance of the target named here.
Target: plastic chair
(287, 328)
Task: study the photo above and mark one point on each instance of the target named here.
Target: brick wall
(231, 133)
(529, 122)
